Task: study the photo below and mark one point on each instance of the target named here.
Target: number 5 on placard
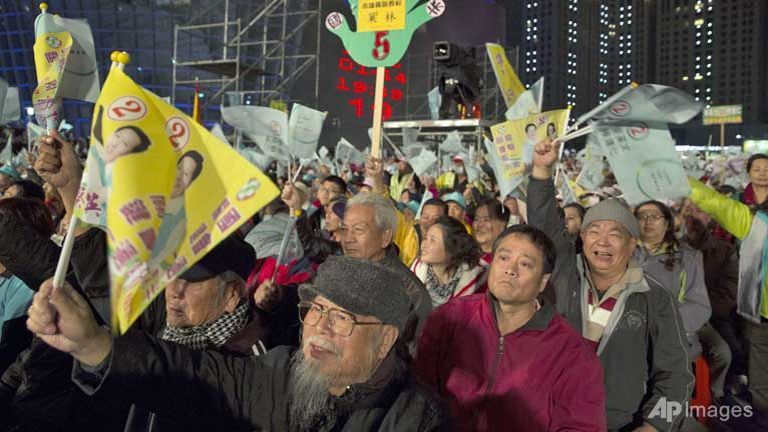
(381, 46)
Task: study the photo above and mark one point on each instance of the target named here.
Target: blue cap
(10, 172)
(457, 198)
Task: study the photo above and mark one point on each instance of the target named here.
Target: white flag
(80, 79)
(347, 153)
(64, 126)
(435, 99)
(424, 162)
(256, 157)
(10, 107)
(426, 197)
(471, 167)
(650, 103)
(305, 126)
(410, 137)
(266, 127)
(643, 159)
(218, 132)
(6, 157)
(506, 185)
(34, 132)
(452, 143)
(412, 151)
(528, 103)
(591, 175)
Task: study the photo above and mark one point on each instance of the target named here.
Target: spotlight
(460, 80)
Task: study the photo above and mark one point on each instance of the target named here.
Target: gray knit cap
(362, 287)
(612, 210)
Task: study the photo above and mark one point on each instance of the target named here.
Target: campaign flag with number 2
(164, 189)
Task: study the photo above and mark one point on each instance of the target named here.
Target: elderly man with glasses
(345, 376)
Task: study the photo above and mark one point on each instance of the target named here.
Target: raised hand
(374, 171)
(267, 295)
(382, 49)
(57, 162)
(545, 155)
(63, 320)
(290, 197)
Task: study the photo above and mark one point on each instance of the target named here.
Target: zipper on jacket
(491, 378)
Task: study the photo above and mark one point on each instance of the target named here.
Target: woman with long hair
(449, 262)
(674, 265)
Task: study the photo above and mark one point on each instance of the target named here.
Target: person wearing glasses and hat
(345, 376)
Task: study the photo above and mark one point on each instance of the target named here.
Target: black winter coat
(220, 392)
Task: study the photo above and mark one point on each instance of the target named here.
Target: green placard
(382, 48)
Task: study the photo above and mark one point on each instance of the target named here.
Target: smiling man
(633, 324)
(345, 376)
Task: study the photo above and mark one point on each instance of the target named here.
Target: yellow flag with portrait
(164, 189)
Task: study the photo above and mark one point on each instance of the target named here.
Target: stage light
(460, 79)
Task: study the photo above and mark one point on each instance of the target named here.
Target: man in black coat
(345, 377)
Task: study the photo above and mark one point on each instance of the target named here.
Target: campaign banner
(164, 189)
(642, 156)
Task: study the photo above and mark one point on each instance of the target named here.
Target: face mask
(514, 220)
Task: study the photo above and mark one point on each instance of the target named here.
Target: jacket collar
(539, 322)
(633, 279)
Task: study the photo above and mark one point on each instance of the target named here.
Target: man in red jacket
(502, 359)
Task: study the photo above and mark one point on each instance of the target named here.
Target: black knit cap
(361, 287)
(232, 254)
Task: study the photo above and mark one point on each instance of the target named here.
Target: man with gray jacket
(633, 324)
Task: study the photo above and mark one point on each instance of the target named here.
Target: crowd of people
(403, 302)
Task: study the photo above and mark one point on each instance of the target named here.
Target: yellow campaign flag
(509, 83)
(51, 52)
(165, 190)
(514, 140)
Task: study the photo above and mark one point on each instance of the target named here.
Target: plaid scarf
(441, 293)
(211, 335)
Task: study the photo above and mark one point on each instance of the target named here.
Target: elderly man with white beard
(345, 377)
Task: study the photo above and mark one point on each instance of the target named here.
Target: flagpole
(575, 134)
(609, 101)
(378, 103)
(122, 58)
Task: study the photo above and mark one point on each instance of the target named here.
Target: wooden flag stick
(378, 103)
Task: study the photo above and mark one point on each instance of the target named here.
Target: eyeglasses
(650, 218)
(341, 323)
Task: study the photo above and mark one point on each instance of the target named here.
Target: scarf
(441, 293)
(211, 335)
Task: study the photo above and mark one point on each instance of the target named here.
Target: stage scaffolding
(247, 51)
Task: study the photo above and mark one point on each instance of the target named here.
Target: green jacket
(752, 229)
